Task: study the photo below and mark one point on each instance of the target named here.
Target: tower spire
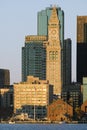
(54, 18)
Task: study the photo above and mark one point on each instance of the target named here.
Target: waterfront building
(84, 107)
(4, 77)
(60, 111)
(6, 102)
(34, 57)
(72, 94)
(84, 89)
(33, 97)
(6, 97)
(81, 48)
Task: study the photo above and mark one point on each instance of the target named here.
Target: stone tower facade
(53, 53)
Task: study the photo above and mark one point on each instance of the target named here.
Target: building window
(53, 55)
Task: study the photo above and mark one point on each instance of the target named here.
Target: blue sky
(18, 18)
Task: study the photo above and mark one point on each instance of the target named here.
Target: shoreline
(42, 122)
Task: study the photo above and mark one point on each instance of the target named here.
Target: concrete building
(32, 97)
(81, 48)
(60, 111)
(4, 77)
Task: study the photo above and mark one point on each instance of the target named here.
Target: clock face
(53, 31)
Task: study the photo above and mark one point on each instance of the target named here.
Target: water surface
(43, 126)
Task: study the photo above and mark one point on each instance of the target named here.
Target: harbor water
(43, 126)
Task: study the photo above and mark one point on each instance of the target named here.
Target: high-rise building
(81, 61)
(43, 20)
(42, 29)
(46, 55)
(53, 53)
(34, 57)
(66, 78)
(81, 29)
(4, 77)
(81, 47)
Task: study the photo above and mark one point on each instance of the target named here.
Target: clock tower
(53, 51)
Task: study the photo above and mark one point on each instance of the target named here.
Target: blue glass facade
(33, 60)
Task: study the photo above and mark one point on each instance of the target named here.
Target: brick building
(60, 110)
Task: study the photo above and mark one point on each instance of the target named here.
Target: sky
(18, 18)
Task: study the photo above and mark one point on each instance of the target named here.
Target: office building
(46, 55)
(81, 48)
(81, 61)
(72, 94)
(66, 78)
(4, 77)
(6, 102)
(82, 29)
(34, 57)
(33, 97)
(6, 97)
(84, 88)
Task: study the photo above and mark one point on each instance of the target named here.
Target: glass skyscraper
(34, 57)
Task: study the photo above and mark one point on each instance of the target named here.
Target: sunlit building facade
(43, 20)
(84, 88)
(47, 55)
(33, 97)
